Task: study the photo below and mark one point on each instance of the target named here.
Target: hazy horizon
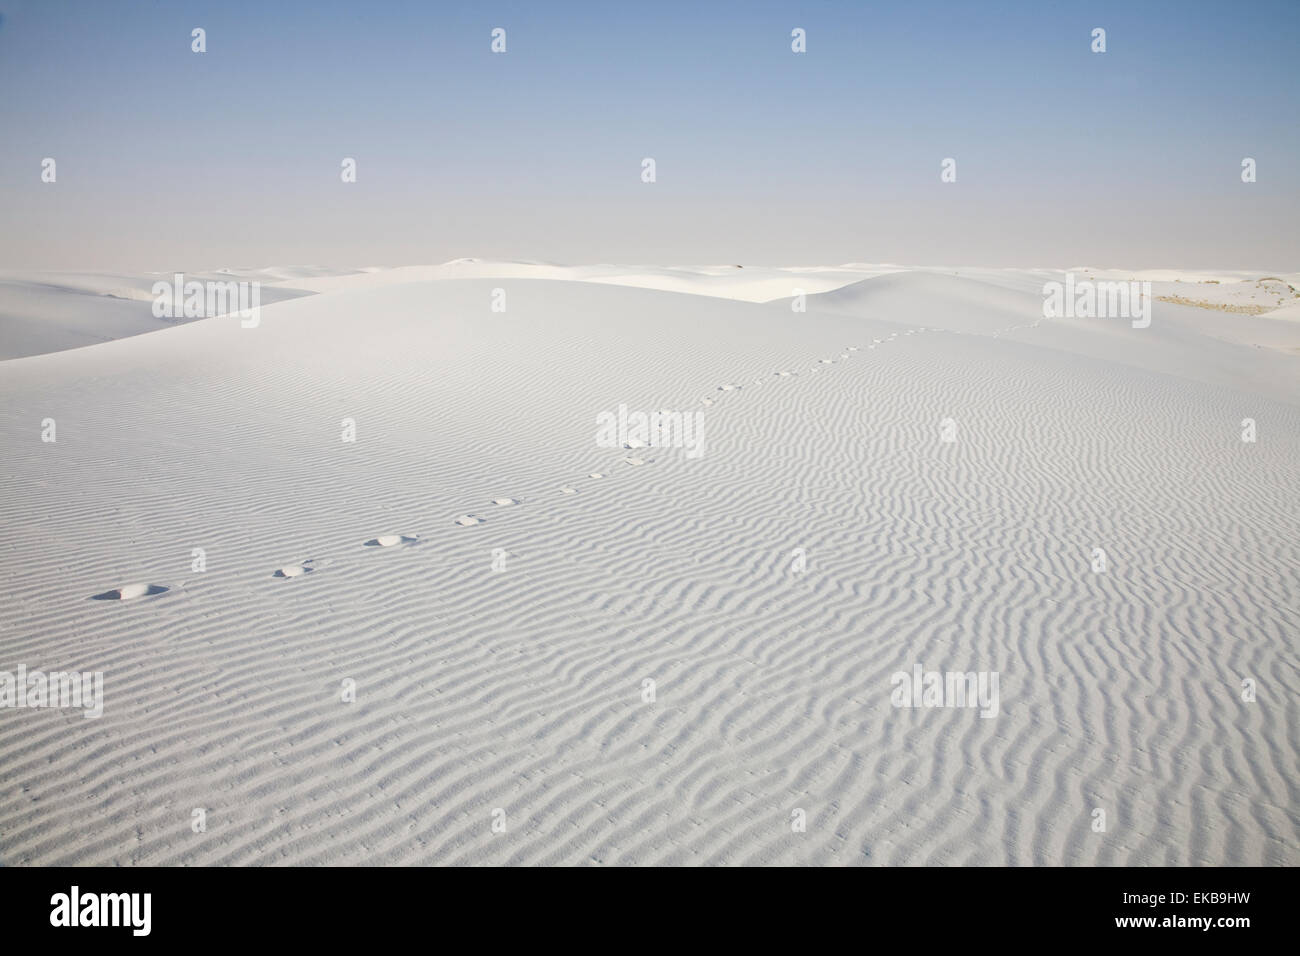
(173, 160)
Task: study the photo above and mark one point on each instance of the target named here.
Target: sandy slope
(55, 311)
(522, 689)
(1256, 354)
(52, 312)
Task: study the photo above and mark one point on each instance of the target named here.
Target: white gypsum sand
(499, 587)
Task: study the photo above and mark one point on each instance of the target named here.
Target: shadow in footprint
(130, 591)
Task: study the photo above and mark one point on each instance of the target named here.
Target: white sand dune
(749, 284)
(500, 588)
(54, 312)
(1253, 353)
(58, 311)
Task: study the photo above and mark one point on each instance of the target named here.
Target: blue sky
(169, 159)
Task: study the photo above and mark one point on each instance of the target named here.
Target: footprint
(852, 348)
(728, 388)
(568, 490)
(392, 540)
(706, 401)
(596, 474)
(504, 502)
(786, 374)
(634, 461)
(130, 591)
(294, 570)
(468, 521)
(828, 361)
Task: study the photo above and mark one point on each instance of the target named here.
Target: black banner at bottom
(1220, 907)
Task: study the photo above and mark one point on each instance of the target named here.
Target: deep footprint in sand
(294, 570)
(130, 592)
(506, 502)
(568, 490)
(468, 521)
(392, 540)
